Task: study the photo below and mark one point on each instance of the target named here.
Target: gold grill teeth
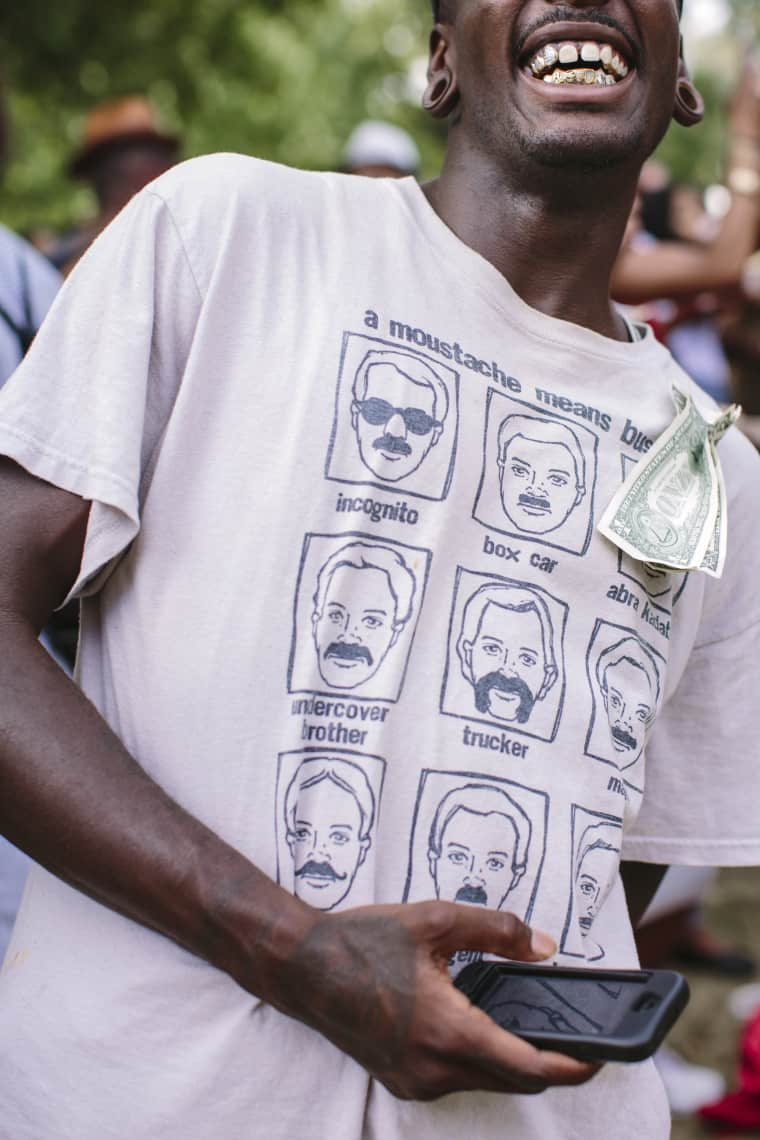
(610, 64)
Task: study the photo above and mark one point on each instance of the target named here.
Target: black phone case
(662, 996)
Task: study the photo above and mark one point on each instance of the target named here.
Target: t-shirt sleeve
(87, 408)
(703, 758)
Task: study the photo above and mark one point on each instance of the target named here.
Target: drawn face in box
(327, 814)
(356, 608)
(396, 419)
(505, 661)
(542, 472)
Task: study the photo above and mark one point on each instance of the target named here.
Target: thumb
(491, 931)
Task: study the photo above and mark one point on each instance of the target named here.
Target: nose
(623, 717)
(507, 666)
(348, 631)
(396, 426)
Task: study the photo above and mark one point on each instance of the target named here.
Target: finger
(457, 927)
(516, 1063)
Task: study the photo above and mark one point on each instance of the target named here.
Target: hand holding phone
(374, 980)
(592, 1015)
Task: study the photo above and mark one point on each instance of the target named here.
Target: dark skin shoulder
(372, 980)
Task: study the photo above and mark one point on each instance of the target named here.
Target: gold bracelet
(744, 180)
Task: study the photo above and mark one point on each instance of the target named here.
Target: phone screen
(562, 1005)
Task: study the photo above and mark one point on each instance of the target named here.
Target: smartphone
(594, 1015)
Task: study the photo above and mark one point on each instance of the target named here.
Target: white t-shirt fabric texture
(344, 599)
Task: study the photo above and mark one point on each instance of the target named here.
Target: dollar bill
(670, 512)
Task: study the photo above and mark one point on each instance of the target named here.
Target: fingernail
(542, 945)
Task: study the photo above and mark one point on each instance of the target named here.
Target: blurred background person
(380, 150)
(679, 266)
(741, 340)
(123, 149)
(28, 283)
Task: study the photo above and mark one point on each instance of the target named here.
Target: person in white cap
(380, 150)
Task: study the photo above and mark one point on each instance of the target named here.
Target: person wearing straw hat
(123, 148)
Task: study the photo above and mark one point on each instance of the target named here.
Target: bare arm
(372, 980)
(673, 269)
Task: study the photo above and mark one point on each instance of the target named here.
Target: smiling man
(158, 973)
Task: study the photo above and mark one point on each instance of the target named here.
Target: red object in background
(740, 1110)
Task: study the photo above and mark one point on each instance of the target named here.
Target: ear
(550, 676)
(689, 107)
(517, 874)
(441, 94)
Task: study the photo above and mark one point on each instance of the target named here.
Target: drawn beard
(484, 686)
(347, 651)
(476, 896)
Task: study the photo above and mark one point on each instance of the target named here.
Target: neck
(554, 237)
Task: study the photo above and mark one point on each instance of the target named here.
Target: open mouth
(587, 62)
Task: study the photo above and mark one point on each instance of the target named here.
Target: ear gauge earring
(441, 95)
(689, 106)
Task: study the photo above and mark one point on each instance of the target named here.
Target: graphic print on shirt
(396, 419)
(326, 813)
(659, 585)
(478, 840)
(597, 840)
(539, 475)
(626, 678)
(505, 660)
(355, 614)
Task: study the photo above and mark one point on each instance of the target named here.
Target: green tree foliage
(283, 80)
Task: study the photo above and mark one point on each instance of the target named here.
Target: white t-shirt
(345, 601)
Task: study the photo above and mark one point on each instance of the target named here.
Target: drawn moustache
(532, 502)
(474, 895)
(314, 870)
(624, 739)
(484, 686)
(348, 651)
(393, 443)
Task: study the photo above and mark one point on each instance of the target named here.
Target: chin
(583, 151)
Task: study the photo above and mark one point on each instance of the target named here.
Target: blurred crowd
(689, 266)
